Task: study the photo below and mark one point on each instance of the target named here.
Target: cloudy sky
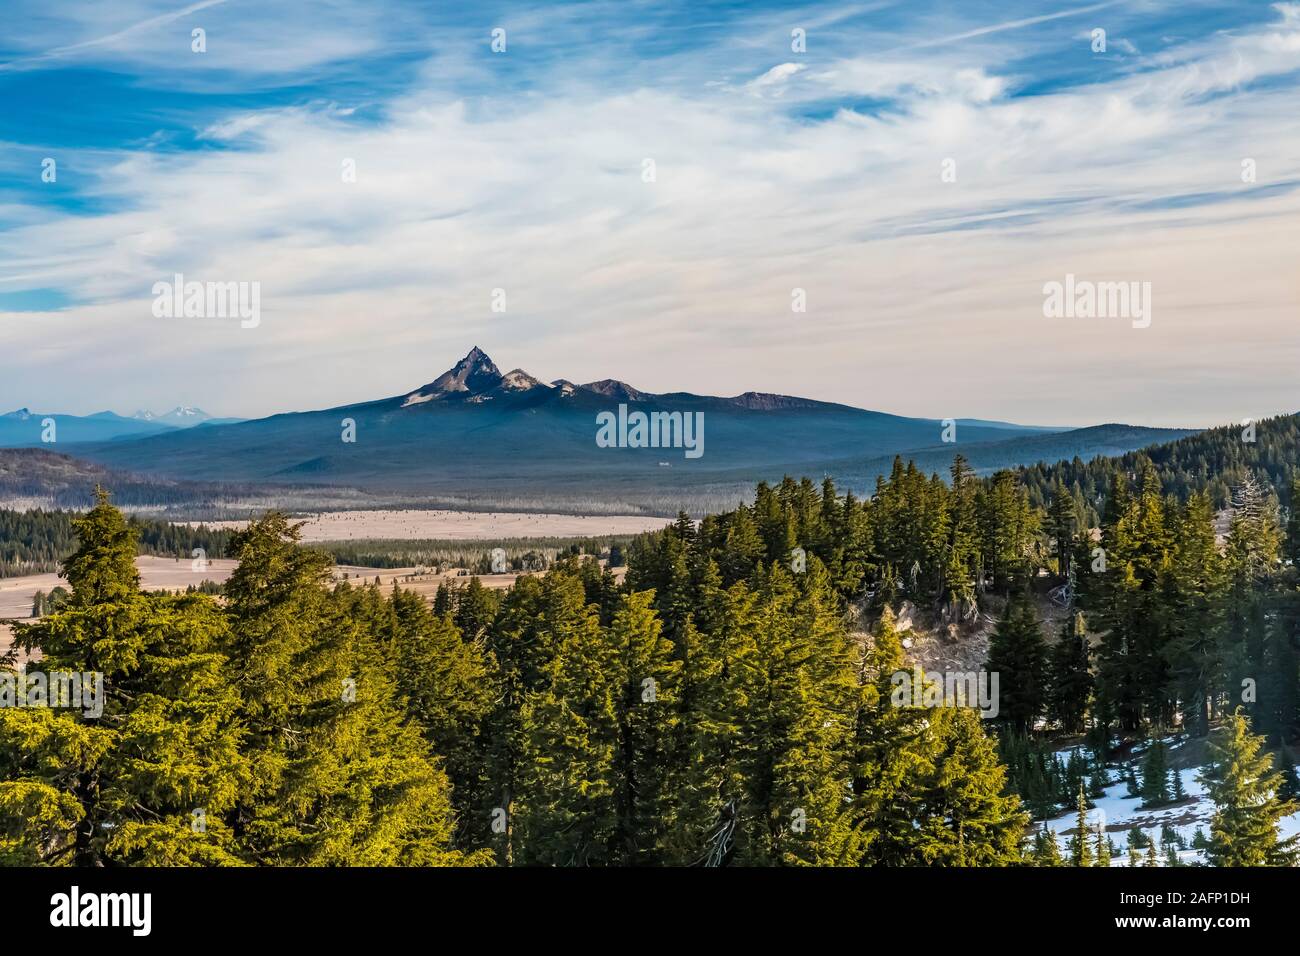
(774, 168)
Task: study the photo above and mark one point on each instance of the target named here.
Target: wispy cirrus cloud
(525, 171)
(116, 39)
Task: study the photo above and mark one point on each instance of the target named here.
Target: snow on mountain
(182, 416)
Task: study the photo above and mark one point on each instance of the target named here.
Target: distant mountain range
(26, 428)
(475, 433)
(182, 416)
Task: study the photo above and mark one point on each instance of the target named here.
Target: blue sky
(775, 168)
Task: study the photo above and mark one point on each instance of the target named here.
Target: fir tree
(567, 809)
(1104, 847)
(1243, 785)
(1155, 776)
(354, 782)
(643, 773)
(448, 687)
(151, 780)
(967, 819)
(1134, 789)
(1080, 851)
(891, 745)
(1069, 677)
(1045, 851)
(1017, 654)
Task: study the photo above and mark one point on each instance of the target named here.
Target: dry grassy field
(17, 594)
(168, 574)
(460, 525)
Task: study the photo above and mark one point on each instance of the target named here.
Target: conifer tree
(1250, 555)
(891, 746)
(1045, 851)
(353, 783)
(967, 819)
(566, 809)
(1097, 784)
(476, 609)
(793, 737)
(644, 777)
(1243, 785)
(1104, 848)
(1080, 850)
(1017, 654)
(1069, 677)
(717, 678)
(1124, 602)
(1131, 781)
(448, 686)
(1061, 524)
(151, 779)
(1192, 595)
(1179, 793)
(1155, 776)
(1137, 841)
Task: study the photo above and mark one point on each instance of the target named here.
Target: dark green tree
(1017, 654)
(1243, 785)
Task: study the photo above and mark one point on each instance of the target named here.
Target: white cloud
(154, 37)
(773, 82)
(924, 296)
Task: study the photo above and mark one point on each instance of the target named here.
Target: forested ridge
(729, 702)
(34, 542)
(1214, 461)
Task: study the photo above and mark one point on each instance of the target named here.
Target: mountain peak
(476, 356)
(518, 380)
(473, 374)
(613, 388)
(183, 415)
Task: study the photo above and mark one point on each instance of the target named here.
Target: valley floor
(176, 574)
(414, 525)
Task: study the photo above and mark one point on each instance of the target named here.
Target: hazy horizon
(504, 368)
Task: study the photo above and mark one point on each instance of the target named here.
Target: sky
(650, 191)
